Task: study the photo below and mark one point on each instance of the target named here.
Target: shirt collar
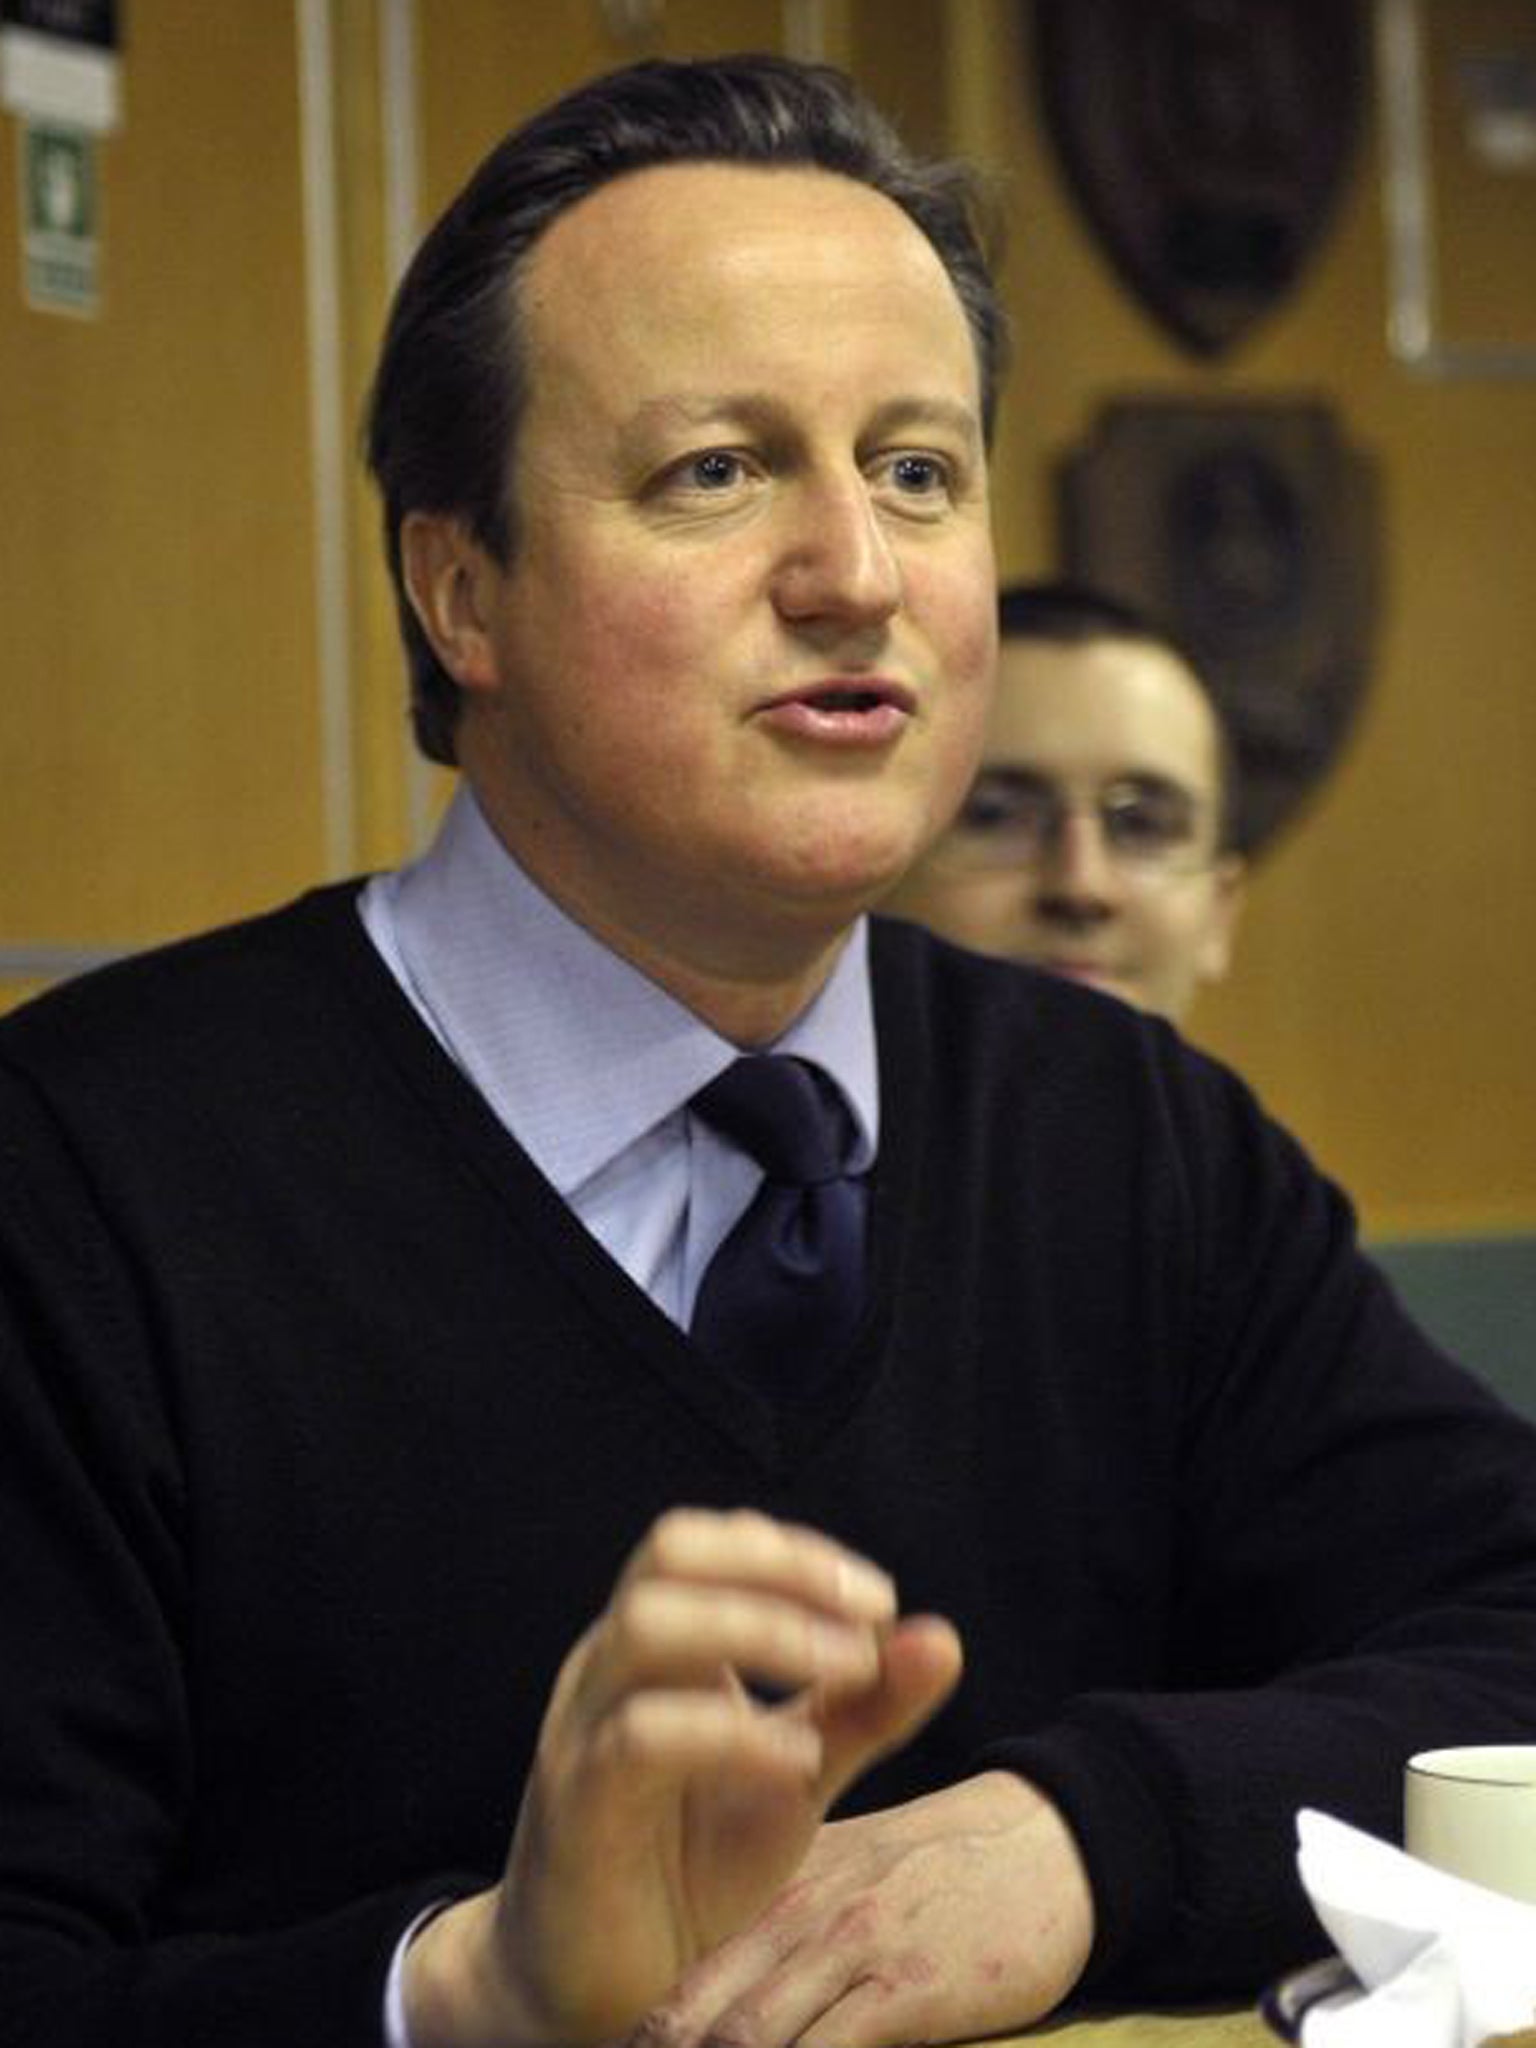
(577, 1052)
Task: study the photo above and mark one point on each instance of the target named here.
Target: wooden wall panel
(158, 757)
(1384, 995)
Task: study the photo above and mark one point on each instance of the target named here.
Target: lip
(1084, 971)
(844, 711)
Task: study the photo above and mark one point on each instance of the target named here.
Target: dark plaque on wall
(72, 21)
(1205, 140)
(1250, 531)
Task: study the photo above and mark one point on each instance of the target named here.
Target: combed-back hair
(452, 379)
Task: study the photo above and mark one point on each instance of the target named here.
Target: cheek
(1169, 927)
(962, 631)
(636, 638)
(632, 659)
(958, 608)
(618, 613)
(976, 651)
(955, 613)
(982, 908)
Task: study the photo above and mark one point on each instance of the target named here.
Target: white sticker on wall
(59, 62)
(60, 219)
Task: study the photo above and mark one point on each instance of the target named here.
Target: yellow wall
(1384, 997)
(161, 752)
(158, 765)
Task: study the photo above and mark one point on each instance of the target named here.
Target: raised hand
(668, 1803)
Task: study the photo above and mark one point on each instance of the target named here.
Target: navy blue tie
(781, 1296)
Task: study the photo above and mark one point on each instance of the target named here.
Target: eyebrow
(1149, 781)
(949, 413)
(761, 410)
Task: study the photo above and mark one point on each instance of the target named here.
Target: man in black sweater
(413, 1630)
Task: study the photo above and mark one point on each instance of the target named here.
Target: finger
(744, 1548)
(880, 2012)
(654, 1738)
(843, 1986)
(750, 1990)
(913, 1995)
(920, 1666)
(662, 1632)
(758, 1991)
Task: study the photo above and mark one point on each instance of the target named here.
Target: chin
(855, 868)
(831, 900)
(1089, 977)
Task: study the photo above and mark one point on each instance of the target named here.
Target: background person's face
(738, 668)
(1107, 719)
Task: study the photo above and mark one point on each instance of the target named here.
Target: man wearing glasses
(1096, 840)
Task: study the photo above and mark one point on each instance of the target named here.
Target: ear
(1228, 882)
(450, 581)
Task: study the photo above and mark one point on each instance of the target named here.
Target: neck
(748, 965)
(749, 1012)
(750, 985)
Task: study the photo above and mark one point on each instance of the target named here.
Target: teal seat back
(1476, 1296)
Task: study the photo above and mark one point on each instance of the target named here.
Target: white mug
(1473, 1812)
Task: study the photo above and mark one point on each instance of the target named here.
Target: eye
(715, 470)
(1148, 821)
(986, 810)
(689, 483)
(711, 472)
(918, 475)
(686, 482)
(1006, 804)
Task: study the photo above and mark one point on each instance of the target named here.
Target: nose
(837, 562)
(1079, 881)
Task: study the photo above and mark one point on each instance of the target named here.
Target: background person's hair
(1058, 609)
(1073, 614)
(451, 383)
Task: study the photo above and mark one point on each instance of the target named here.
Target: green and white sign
(60, 225)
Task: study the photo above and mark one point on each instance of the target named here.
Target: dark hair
(451, 383)
(1075, 614)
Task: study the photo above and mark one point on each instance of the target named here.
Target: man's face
(735, 676)
(1089, 843)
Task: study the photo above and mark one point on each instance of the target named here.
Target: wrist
(454, 1987)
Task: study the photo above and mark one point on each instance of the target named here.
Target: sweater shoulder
(1003, 1052)
(1016, 1024)
(198, 1010)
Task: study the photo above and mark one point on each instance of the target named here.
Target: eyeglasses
(1148, 826)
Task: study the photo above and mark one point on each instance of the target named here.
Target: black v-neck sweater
(324, 1428)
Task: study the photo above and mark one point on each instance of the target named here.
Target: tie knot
(785, 1113)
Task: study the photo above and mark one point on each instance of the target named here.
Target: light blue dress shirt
(588, 1063)
(590, 1066)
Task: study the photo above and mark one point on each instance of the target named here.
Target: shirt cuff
(396, 2032)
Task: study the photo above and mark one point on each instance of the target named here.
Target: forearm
(1184, 1803)
(315, 1985)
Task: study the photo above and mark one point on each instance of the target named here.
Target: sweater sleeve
(1355, 1575)
(98, 1760)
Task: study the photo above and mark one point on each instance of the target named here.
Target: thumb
(920, 1665)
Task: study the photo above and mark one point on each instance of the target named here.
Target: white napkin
(1444, 1963)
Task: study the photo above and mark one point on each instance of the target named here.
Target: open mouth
(848, 697)
(842, 712)
(846, 700)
